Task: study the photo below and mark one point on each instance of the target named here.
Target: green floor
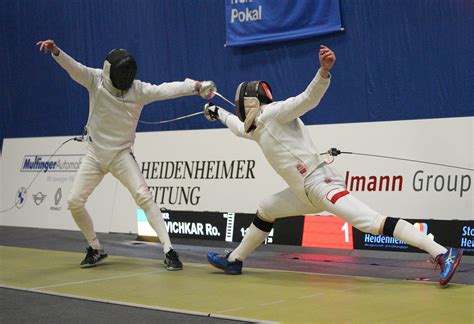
(291, 297)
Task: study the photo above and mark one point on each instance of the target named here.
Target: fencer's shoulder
(268, 112)
(139, 82)
(97, 72)
(271, 107)
(144, 84)
(96, 75)
(140, 85)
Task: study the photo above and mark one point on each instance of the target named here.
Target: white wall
(445, 141)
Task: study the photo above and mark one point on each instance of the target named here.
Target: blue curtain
(396, 60)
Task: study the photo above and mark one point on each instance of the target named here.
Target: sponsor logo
(38, 198)
(229, 227)
(51, 163)
(441, 182)
(423, 227)
(467, 238)
(373, 183)
(190, 227)
(421, 181)
(58, 196)
(382, 241)
(371, 240)
(247, 15)
(20, 198)
(179, 194)
(57, 199)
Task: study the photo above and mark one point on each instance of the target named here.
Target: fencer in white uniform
(314, 186)
(116, 100)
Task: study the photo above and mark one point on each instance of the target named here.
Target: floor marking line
(100, 279)
(229, 310)
(313, 295)
(348, 289)
(157, 308)
(378, 284)
(144, 306)
(272, 303)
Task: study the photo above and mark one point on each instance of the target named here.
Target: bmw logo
(20, 198)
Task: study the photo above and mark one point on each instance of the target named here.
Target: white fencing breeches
(326, 191)
(126, 170)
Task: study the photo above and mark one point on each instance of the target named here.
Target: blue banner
(265, 21)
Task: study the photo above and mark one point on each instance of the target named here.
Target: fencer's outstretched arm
(78, 72)
(295, 107)
(232, 122)
(167, 90)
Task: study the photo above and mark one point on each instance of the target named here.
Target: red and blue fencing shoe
(448, 263)
(221, 262)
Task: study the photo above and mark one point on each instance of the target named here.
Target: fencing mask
(123, 68)
(248, 98)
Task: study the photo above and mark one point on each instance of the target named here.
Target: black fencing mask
(123, 68)
(248, 98)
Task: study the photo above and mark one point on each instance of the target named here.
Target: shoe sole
(88, 265)
(171, 268)
(230, 273)
(446, 281)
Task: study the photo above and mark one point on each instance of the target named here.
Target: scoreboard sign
(327, 232)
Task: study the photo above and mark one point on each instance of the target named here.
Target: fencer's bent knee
(264, 213)
(143, 197)
(267, 211)
(75, 201)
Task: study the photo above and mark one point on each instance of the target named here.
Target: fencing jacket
(113, 115)
(282, 136)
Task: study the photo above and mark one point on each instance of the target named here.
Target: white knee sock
(408, 233)
(84, 222)
(156, 221)
(252, 240)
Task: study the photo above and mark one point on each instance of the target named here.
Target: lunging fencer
(314, 186)
(116, 100)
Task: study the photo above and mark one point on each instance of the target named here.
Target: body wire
(334, 152)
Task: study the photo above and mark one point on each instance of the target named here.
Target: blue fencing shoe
(221, 262)
(448, 263)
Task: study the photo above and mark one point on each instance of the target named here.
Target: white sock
(156, 221)
(84, 222)
(252, 240)
(408, 233)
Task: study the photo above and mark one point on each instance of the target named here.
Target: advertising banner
(35, 185)
(264, 21)
(453, 233)
(232, 174)
(316, 231)
(214, 170)
(226, 227)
